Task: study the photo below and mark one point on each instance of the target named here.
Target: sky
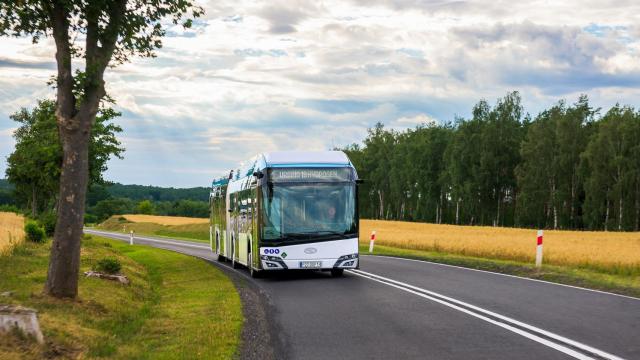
(252, 76)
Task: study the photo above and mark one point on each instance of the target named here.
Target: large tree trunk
(64, 264)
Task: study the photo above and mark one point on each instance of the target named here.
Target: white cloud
(295, 75)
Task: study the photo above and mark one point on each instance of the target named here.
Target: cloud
(258, 76)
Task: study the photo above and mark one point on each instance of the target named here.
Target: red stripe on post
(539, 237)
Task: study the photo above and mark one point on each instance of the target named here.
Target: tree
(145, 207)
(112, 31)
(34, 165)
(612, 160)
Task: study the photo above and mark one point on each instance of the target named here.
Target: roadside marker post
(539, 250)
(373, 238)
(131, 238)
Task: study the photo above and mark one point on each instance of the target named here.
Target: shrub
(108, 265)
(90, 219)
(34, 232)
(48, 221)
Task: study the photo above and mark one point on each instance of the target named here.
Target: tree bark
(606, 217)
(457, 211)
(64, 264)
(74, 126)
(620, 213)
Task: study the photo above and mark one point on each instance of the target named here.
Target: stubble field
(616, 252)
(610, 252)
(11, 231)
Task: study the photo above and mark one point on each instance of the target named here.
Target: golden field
(11, 231)
(619, 251)
(165, 220)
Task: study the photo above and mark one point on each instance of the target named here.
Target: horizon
(249, 78)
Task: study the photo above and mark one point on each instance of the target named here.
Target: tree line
(570, 167)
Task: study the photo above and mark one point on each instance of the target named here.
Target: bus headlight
(346, 260)
(347, 257)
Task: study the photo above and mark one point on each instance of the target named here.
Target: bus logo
(272, 251)
(310, 250)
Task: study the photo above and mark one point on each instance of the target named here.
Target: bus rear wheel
(337, 272)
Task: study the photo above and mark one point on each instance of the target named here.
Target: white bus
(288, 210)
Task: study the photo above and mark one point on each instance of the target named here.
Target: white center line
(510, 324)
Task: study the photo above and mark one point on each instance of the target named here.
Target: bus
(287, 210)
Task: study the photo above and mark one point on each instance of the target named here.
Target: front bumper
(327, 264)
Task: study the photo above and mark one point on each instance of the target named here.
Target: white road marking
(507, 275)
(509, 323)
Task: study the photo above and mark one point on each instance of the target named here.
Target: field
(165, 220)
(165, 313)
(612, 252)
(186, 228)
(615, 252)
(11, 231)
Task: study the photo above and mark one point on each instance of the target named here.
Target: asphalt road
(405, 309)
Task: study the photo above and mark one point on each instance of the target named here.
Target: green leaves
(34, 166)
(565, 169)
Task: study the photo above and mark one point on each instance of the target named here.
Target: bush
(90, 219)
(48, 221)
(10, 208)
(34, 232)
(109, 266)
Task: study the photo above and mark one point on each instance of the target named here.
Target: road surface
(406, 309)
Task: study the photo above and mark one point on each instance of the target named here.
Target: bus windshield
(306, 212)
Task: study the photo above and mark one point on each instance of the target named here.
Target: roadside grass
(11, 231)
(176, 307)
(192, 232)
(588, 278)
(616, 253)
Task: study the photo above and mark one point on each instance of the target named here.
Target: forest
(571, 166)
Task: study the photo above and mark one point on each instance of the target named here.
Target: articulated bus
(287, 210)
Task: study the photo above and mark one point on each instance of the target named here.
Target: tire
(253, 272)
(337, 272)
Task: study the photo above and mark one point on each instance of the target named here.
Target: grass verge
(588, 278)
(176, 307)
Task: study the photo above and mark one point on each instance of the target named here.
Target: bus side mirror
(360, 181)
(258, 174)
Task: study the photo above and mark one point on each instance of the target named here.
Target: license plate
(310, 264)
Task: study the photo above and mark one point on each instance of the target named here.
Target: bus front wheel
(337, 272)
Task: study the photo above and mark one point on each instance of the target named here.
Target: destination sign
(302, 175)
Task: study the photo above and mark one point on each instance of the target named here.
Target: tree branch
(97, 57)
(65, 108)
